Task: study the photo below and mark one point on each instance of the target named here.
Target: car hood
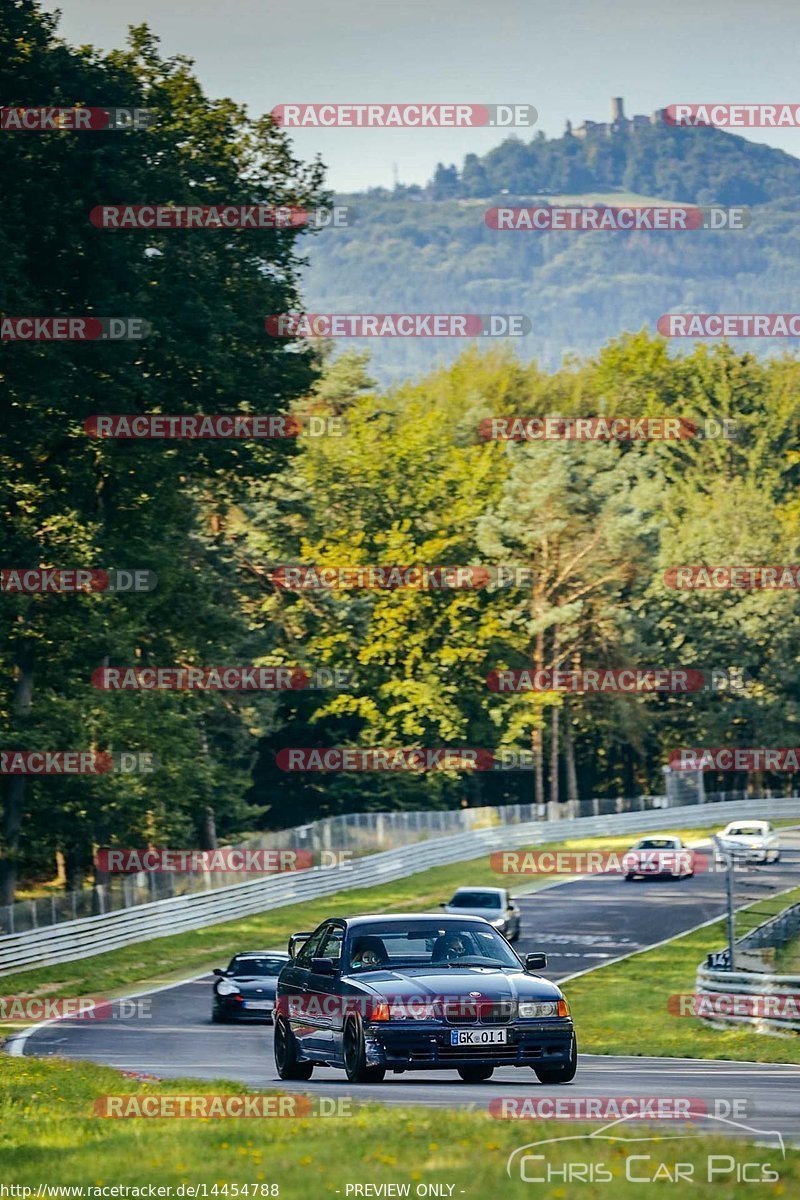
(428, 983)
(489, 914)
(255, 985)
(743, 839)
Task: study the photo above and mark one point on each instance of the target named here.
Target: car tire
(563, 1074)
(476, 1074)
(629, 876)
(354, 1052)
(217, 1018)
(287, 1062)
(777, 856)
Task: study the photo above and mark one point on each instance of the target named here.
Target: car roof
(747, 821)
(261, 954)
(402, 918)
(479, 887)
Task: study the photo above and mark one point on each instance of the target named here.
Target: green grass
(166, 960)
(49, 1134)
(787, 958)
(622, 1008)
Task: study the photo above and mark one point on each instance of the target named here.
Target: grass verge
(50, 1135)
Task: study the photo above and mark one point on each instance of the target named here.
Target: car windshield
(476, 900)
(656, 844)
(244, 965)
(383, 945)
(746, 831)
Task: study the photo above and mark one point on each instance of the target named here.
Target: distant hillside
(428, 249)
(706, 165)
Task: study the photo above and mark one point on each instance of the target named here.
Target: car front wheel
(287, 1063)
(475, 1074)
(563, 1074)
(355, 1055)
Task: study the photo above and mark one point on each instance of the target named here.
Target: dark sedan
(410, 992)
(245, 991)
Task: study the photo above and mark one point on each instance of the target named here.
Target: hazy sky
(567, 58)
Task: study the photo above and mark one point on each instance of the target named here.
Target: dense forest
(409, 480)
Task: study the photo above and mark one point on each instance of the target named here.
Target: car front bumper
(422, 1045)
(238, 1012)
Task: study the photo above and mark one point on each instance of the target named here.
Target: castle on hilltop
(617, 123)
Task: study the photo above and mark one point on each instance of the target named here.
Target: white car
(658, 856)
(492, 903)
(754, 841)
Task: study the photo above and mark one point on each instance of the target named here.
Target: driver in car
(450, 946)
(365, 955)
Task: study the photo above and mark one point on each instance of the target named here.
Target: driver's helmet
(453, 946)
(368, 952)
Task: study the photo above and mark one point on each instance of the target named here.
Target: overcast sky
(566, 57)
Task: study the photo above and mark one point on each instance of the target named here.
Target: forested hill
(704, 165)
(429, 250)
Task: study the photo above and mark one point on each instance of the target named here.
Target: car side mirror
(323, 966)
(535, 962)
(218, 971)
(296, 941)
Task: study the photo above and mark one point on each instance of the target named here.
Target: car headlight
(226, 988)
(403, 1010)
(498, 922)
(548, 1008)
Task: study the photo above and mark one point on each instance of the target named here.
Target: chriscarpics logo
(619, 1153)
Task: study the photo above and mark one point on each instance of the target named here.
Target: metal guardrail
(775, 931)
(361, 833)
(93, 935)
(750, 983)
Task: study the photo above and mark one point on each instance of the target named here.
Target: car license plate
(258, 1004)
(478, 1037)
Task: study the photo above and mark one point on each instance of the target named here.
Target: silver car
(753, 841)
(492, 903)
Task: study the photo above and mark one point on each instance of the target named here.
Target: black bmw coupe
(418, 992)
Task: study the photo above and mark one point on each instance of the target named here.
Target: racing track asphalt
(579, 924)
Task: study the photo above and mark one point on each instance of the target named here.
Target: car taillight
(380, 1012)
(563, 1008)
